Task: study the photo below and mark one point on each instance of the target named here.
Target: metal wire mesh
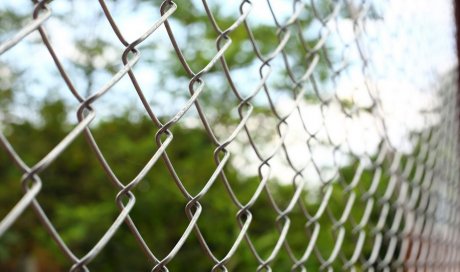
(414, 187)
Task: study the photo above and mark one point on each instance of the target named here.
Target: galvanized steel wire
(421, 192)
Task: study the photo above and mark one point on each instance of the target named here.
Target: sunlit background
(372, 76)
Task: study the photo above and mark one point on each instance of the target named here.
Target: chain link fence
(348, 105)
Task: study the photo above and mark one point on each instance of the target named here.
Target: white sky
(408, 50)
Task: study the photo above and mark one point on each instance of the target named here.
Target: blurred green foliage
(79, 200)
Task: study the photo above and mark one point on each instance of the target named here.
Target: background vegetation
(79, 199)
